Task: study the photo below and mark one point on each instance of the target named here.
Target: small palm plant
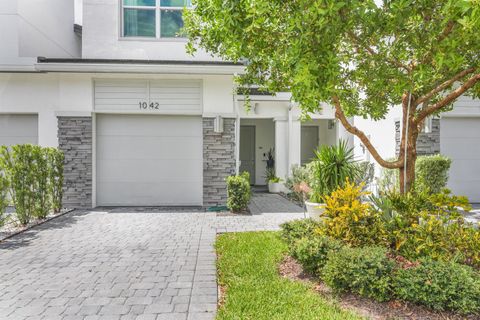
(332, 167)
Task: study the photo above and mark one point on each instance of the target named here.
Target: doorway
(247, 151)
(309, 143)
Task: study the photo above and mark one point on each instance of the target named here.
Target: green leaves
(238, 192)
(367, 55)
(34, 178)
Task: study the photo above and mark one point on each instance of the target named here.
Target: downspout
(237, 128)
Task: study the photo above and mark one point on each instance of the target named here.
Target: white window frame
(158, 9)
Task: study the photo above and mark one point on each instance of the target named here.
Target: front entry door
(309, 143)
(247, 151)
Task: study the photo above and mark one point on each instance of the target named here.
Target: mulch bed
(291, 269)
(13, 227)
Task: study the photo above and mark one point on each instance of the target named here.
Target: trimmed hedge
(373, 272)
(238, 192)
(440, 286)
(3, 198)
(35, 177)
(431, 173)
(366, 271)
(312, 252)
(297, 229)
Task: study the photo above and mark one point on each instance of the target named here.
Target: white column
(281, 148)
(47, 129)
(294, 149)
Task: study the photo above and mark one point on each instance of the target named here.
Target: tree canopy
(361, 56)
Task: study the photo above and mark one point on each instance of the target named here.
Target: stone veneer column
(75, 140)
(427, 143)
(218, 161)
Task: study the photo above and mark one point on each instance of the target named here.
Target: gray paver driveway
(118, 265)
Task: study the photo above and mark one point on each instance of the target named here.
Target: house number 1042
(149, 106)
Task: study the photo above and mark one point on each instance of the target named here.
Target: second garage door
(460, 141)
(18, 129)
(149, 160)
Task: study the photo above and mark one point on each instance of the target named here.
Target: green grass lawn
(247, 267)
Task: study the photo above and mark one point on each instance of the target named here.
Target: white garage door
(18, 129)
(149, 160)
(460, 141)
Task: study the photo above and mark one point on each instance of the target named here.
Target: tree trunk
(408, 154)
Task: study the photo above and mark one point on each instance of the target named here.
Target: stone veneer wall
(75, 140)
(218, 161)
(427, 143)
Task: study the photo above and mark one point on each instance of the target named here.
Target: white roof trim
(139, 68)
(280, 96)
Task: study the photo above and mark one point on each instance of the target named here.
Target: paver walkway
(119, 264)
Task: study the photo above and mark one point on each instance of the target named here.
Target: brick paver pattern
(120, 264)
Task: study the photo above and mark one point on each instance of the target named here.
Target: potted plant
(333, 166)
(275, 185)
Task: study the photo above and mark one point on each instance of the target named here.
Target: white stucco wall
(51, 94)
(29, 29)
(382, 136)
(102, 37)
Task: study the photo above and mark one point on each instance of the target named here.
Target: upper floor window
(153, 18)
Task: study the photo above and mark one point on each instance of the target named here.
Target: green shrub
(312, 252)
(34, 176)
(333, 166)
(298, 175)
(3, 198)
(295, 230)
(431, 173)
(430, 225)
(440, 286)
(56, 163)
(346, 218)
(238, 192)
(389, 180)
(365, 173)
(41, 169)
(18, 165)
(366, 271)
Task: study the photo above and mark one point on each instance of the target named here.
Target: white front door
(149, 160)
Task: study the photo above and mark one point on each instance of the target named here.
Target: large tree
(362, 57)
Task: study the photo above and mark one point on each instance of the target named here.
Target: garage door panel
(460, 141)
(175, 148)
(463, 148)
(460, 128)
(149, 160)
(153, 126)
(184, 170)
(461, 169)
(149, 193)
(18, 129)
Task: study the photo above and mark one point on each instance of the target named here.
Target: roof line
(135, 61)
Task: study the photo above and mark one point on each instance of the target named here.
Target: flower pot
(274, 187)
(315, 210)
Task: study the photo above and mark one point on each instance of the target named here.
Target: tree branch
(443, 86)
(372, 52)
(360, 134)
(448, 98)
(448, 29)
